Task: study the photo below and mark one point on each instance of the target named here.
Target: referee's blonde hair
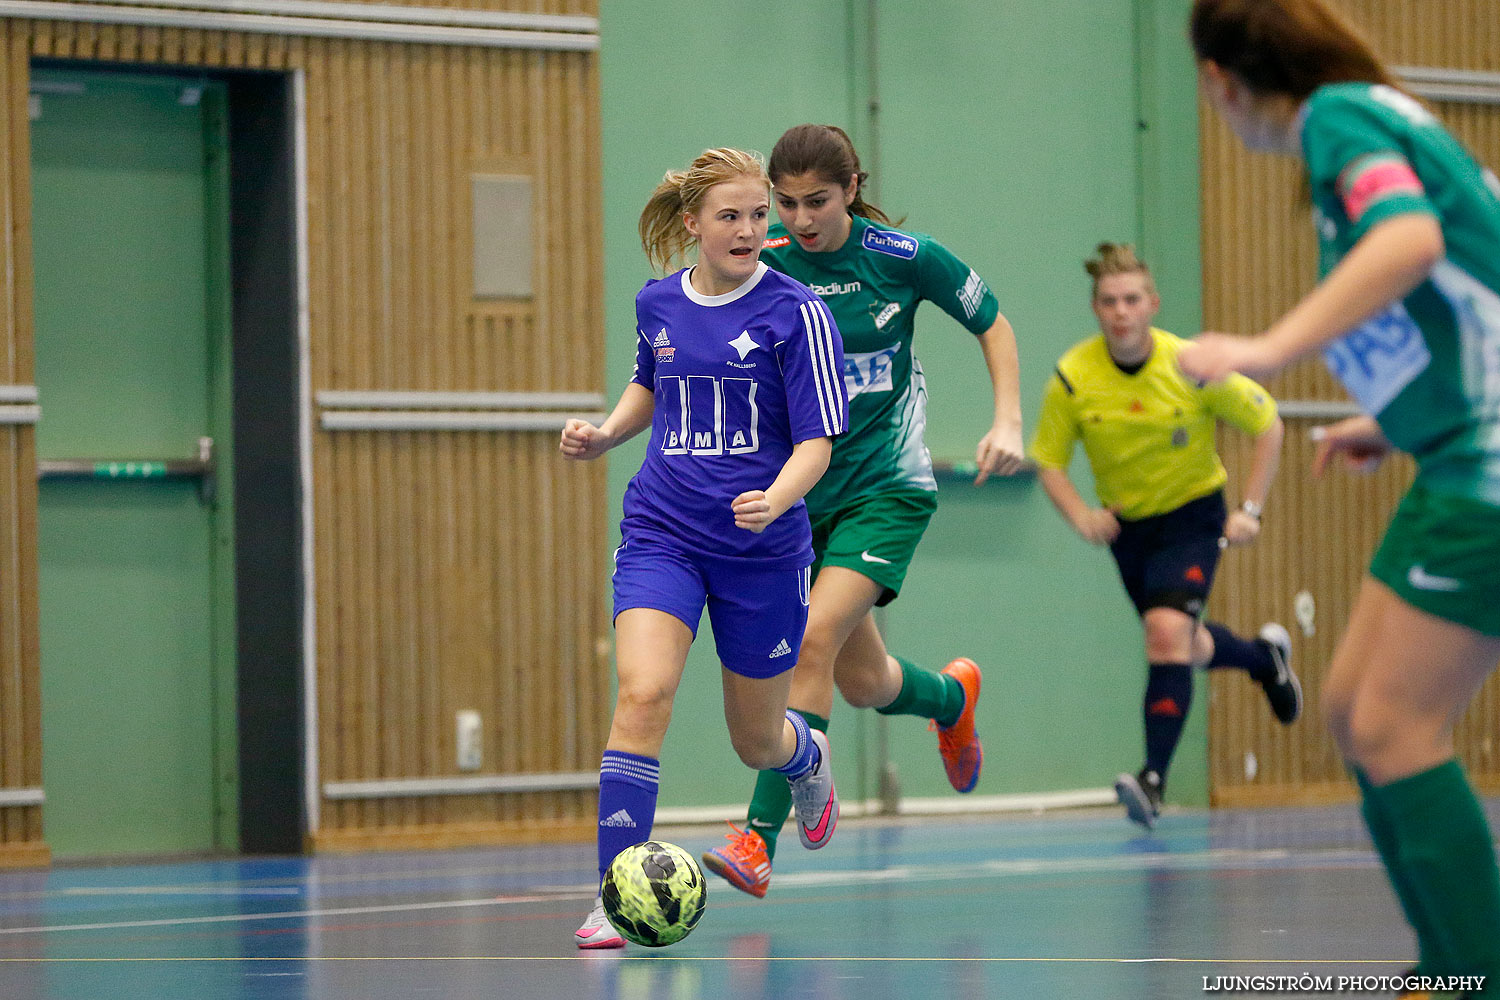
(1117, 258)
(664, 236)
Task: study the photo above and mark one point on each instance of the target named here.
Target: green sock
(1448, 854)
(927, 694)
(1430, 958)
(772, 801)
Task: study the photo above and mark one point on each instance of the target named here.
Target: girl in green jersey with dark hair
(874, 502)
(1407, 315)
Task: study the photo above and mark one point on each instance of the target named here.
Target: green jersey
(1428, 367)
(872, 285)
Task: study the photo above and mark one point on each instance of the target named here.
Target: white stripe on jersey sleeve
(835, 383)
(635, 366)
(820, 347)
(817, 367)
(835, 375)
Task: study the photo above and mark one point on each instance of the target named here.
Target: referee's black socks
(1251, 655)
(1169, 692)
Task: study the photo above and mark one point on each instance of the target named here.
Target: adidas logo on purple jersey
(665, 352)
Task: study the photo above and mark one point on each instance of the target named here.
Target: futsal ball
(654, 893)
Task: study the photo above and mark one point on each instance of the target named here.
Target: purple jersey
(738, 379)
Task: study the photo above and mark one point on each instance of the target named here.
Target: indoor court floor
(1067, 904)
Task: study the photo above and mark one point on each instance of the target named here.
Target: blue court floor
(1072, 904)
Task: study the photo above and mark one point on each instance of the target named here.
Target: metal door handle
(202, 468)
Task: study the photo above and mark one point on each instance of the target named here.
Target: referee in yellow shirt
(1148, 432)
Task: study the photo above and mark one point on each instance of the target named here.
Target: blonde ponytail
(664, 237)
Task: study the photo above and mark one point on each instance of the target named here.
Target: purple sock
(806, 756)
(627, 803)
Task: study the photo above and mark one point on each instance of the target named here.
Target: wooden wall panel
(454, 570)
(1259, 257)
(459, 550)
(572, 8)
(1318, 537)
(1451, 34)
(21, 840)
(588, 8)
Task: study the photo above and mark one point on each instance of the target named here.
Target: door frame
(266, 377)
(273, 446)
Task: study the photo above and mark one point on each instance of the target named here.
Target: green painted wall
(1019, 154)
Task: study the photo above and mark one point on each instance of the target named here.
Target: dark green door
(129, 202)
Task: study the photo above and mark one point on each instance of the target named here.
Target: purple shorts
(758, 615)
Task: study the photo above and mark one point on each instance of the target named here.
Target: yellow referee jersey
(1149, 436)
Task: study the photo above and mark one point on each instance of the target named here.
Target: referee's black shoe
(1283, 689)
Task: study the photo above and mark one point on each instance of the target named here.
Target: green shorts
(1442, 554)
(875, 536)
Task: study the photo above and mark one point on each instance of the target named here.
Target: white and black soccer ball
(654, 893)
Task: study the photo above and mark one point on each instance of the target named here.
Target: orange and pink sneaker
(743, 862)
(963, 754)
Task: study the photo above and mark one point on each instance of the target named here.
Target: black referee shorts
(1168, 560)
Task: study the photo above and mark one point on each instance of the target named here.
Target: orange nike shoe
(743, 862)
(963, 754)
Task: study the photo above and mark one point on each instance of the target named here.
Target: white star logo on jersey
(743, 344)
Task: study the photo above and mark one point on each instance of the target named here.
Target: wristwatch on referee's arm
(1252, 508)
